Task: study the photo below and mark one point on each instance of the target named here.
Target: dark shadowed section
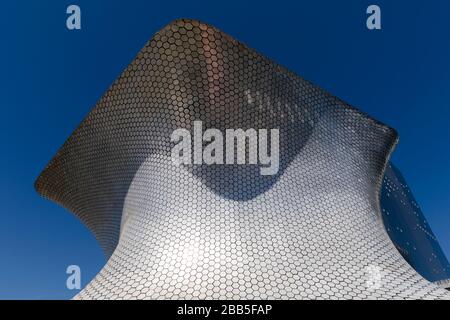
(409, 229)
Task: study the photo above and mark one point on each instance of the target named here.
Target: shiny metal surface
(409, 230)
(311, 231)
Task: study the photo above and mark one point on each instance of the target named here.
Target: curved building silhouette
(409, 230)
(312, 230)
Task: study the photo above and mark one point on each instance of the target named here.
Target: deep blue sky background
(50, 78)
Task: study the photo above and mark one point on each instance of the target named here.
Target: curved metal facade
(410, 231)
(313, 230)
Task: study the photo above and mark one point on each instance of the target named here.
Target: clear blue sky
(51, 77)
